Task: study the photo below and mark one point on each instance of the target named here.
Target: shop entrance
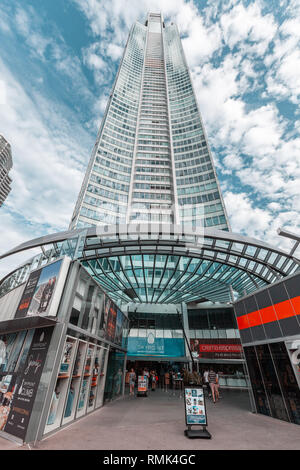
(169, 374)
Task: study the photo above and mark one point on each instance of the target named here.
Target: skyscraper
(5, 167)
(151, 161)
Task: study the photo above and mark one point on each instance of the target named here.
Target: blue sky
(57, 63)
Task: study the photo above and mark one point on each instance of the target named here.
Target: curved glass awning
(163, 263)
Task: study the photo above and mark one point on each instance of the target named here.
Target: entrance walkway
(157, 422)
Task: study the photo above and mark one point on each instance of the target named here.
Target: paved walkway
(157, 423)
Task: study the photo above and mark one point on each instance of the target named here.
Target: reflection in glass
(272, 387)
(259, 393)
(287, 380)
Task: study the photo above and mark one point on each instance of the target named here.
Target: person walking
(212, 377)
(132, 379)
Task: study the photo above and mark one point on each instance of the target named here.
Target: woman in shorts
(132, 378)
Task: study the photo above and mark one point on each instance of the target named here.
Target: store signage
(220, 348)
(195, 409)
(38, 294)
(24, 390)
(225, 350)
(151, 346)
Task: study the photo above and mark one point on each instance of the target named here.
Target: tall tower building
(151, 161)
(5, 167)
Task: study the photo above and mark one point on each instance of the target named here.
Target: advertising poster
(195, 411)
(111, 323)
(22, 393)
(107, 305)
(119, 327)
(142, 383)
(28, 294)
(227, 349)
(38, 293)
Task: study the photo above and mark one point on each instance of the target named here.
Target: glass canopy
(163, 266)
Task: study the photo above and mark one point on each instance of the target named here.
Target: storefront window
(258, 388)
(114, 382)
(287, 380)
(272, 386)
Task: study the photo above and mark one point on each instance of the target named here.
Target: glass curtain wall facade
(151, 161)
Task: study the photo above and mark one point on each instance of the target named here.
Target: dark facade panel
(293, 286)
(273, 330)
(263, 299)
(250, 304)
(258, 333)
(278, 293)
(239, 308)
(246, 336)
(289, 326)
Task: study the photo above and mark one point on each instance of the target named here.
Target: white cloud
(35, 40)
(248, 219)
(233, 162)
(283, 78)
(250, 142)
(49, 156)
(248, 23)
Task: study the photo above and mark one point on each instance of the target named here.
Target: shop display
(66, 359)
(82, 395)
(61, 388)
(53, 407)
(73, 392)
(70, 401)
(91, 359)
(101, 376)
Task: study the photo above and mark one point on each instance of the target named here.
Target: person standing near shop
(206, 381)
(153, 380)
(146, 373)
(212, 377)
(132, 379)
(167, 380)
(161, 378)
(217, 386)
